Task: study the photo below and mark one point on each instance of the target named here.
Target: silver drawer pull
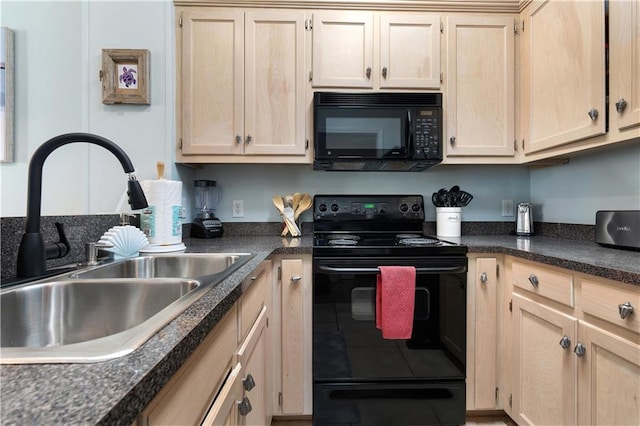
(593, 114)
(565, 342)
(621, 105)
(483, 277)
(296, 278)
(244, 406)
(625, 309)
(534, 280)
(580, 350)
(248, 383)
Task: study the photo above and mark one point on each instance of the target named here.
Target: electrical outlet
(238, 208)
(507, 208)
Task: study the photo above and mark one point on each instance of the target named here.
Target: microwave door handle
(410, 132)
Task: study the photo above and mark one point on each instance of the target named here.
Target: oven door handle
(436, 270)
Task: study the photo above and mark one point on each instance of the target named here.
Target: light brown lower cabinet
(575, 364)
(227, 379)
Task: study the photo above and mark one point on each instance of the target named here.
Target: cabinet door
(481, 86)
(544, 384)
(482, 328)
(563, 72)
(409, 51)
(296, 347)
(608, 378)
(343, 49)
(224, 411)
(253, 357)
(212, 81)
(275, 83)
(624, 62)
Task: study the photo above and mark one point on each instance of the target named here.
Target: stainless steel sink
(181, 265)
(107, 311)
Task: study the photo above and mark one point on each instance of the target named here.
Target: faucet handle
(61, 248)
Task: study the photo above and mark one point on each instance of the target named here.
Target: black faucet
(33, 252)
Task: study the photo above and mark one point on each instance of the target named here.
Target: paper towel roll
(162, 220)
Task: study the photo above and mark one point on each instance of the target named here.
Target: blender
(207, 195)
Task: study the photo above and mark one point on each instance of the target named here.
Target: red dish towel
(395, 299)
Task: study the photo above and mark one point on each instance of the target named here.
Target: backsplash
(83, 229)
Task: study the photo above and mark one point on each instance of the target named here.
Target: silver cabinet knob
(452, 140)
(483, 277)
(296, 278)
(238, 139)
(580, 350)
(625, 309)
(244, 406)
(248, 139)
(565, 342)
(534, 280)
(593, 114)
(248, 383)
(368, 72)
(621, 105)
(384, 72)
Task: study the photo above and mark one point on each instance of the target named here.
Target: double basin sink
(107, 311)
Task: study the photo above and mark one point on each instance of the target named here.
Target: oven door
(363, 379)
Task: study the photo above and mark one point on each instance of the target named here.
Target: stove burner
(418, 241)
(408, 236)
(343, 242)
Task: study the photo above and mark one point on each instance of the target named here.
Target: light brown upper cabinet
(241, 86)
(624, 63)
(480, 86)
(563, 73)
(369, 50)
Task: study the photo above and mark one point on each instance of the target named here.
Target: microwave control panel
(427, 131)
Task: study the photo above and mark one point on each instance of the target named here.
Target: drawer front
(254, 298)
(189, 393)
(612, 302)
(552, 284)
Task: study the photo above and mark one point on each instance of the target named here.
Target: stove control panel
(368, 207)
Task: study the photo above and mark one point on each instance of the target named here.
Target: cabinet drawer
(254, 298)
(606, 301)
(189, 393)
(549, 283)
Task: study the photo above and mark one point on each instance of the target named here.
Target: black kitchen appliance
(207, 195)
(377, 131)
(618, 229)
(360, 378)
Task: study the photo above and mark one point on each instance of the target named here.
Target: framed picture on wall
(125, 76)
(6, 95)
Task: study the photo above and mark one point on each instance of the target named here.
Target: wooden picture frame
(125, 76)
(6, 95)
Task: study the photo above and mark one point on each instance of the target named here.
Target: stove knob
(322, 207)
(415, 208)
(404, 207)
(334, 207)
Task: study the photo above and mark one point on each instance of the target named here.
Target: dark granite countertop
(114, 392)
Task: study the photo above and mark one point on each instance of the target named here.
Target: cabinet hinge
(497, 270)
(515, 27)
(441, 27)
(496, 395)
(515, 144)
(310, 75)
(523, 26)
(267, 322)
(180, 144)
(279, 273)
(180, 21)
(306, 145)
(441, 78)
(308, 24)
(510, 400)
(511, 305)
(280, 399)
(523, 144)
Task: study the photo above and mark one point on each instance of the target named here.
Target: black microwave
(379, 131)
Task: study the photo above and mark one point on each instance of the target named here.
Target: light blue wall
(603, 180)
